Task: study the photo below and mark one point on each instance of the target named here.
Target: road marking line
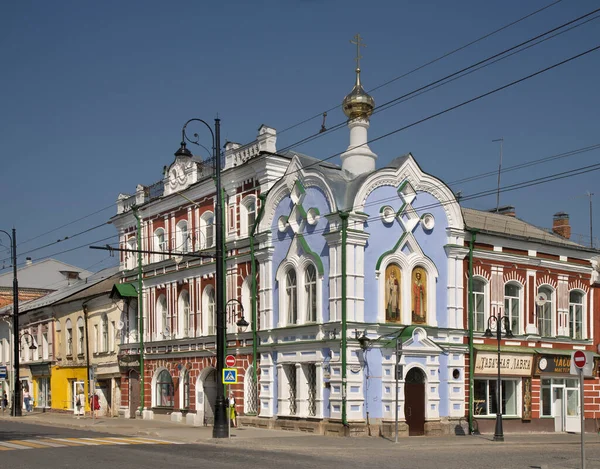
(50, 444)
(159, 442)
(104, 441)
(3, 448)
(128, 440)
(63, 442)
(77, 440)
(13, 445)
(27, 443)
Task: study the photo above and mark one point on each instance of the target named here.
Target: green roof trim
(316, 258)
(505, 348)
(300, 186)
(391, 251)
(124, 290)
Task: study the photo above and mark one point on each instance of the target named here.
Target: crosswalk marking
(55, 442)
(27, 443)
(11, 445)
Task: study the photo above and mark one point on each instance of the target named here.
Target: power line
(396, 100)
(431, 62)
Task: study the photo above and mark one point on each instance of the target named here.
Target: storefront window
(165, 396)
(485, 402)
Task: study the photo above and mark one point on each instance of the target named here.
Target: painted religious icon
(419, 295)
(392, 293)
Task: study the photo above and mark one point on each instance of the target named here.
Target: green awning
(124, 290)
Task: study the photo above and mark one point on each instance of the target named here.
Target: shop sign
(128, 362)
(557, 364)
(42, 369)
(511, 364)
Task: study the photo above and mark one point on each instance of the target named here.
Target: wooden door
(134, 393)
(414, 402)
(210, 397)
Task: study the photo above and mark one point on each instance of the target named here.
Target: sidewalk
(275, 440)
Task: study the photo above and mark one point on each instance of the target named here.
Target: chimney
(560, 225)
(28, 261)
(507, 210)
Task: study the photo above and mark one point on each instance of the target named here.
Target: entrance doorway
(210, 397)
(134, 393)
(414, 401)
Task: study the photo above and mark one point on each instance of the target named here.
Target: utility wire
(402, 98)
(431, 62)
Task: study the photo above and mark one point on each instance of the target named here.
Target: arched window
(69, 337)
(160, 244)
(576, 315)
(479, 302)
(310, 287)
(182, 237)
(208, 307)
(291, 290)
(186, 320)
(80, 336)
(512, 306)
(130, 255)
(165, 395)
(207, 230)
(161, 317)
(545, 311)
(247, 215)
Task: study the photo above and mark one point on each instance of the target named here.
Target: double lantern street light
(500, 321)
(220, 428)
(16, 409)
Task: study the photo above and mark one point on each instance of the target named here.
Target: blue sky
(95, 95)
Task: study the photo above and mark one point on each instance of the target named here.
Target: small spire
(358, 103)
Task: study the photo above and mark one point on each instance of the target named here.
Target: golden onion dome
(358, 103)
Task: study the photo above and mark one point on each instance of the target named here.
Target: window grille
(291, 374)
(311, 377)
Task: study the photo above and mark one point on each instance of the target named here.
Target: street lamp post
(221, 428)
(500, 321)
(16, 409)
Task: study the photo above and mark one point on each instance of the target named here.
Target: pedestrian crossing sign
(230, 376)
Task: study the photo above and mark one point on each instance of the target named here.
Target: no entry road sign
(579, 359)
(230, 361)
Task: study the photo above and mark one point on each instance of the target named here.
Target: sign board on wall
(511, 364)
(552, 364)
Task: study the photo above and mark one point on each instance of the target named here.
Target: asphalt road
(28, 446)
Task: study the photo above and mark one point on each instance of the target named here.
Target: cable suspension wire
(431, 62)
(435, 115)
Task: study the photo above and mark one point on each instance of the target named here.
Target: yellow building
(64, 327)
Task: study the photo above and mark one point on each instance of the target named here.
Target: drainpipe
(344, 219)
(140, 308)
(87, 349)
(261, 212)
(471, 327)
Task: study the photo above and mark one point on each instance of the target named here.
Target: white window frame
(104, 332)
(549, 306)
(160, 246)
(208, 310)
(571, 329)
(130, 257)
(516, 382)
(160, 317)
(485, 299)
(207, 230)
(509, 301)
(184, 313)
(248, 210)
(310, 292)
(300, 269)
(182, 237)
(80, 336)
